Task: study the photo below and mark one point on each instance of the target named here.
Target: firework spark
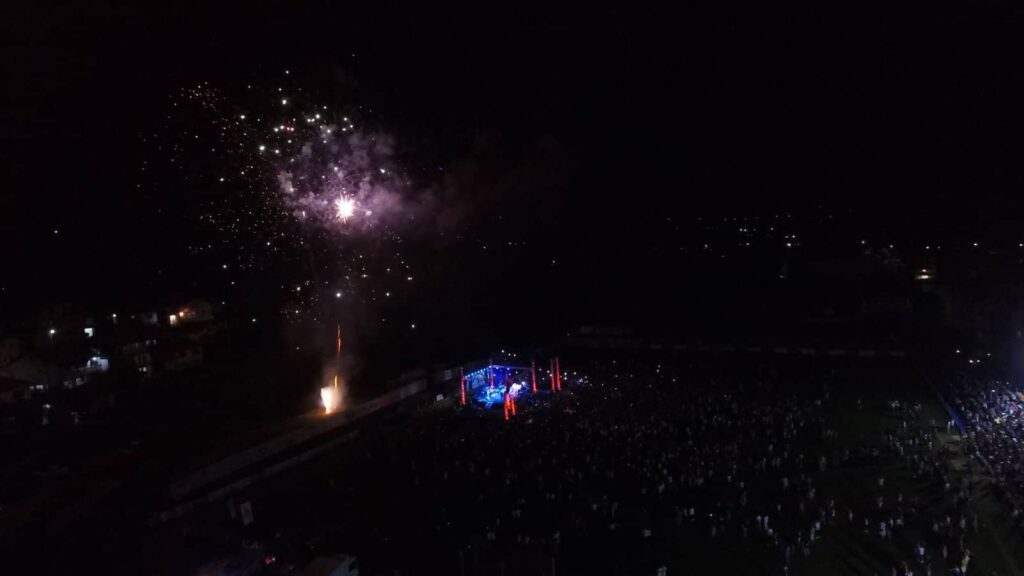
(345, 207)
(287, 184)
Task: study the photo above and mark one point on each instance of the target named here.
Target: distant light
(975, 244)
(53, 331)
(284, 101)
(89, 332)
(413, 326)
(789, 244)
(253, 320)
(409, 278)
(242, 117)
(337, 294)
(957, 350)
(173, 319)
(262, 147)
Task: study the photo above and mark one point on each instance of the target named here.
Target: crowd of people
(991, 413)
(642, 466)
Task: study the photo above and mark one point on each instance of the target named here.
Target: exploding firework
(340, 179)
(288, 184)
(345, 207)
(289, 159)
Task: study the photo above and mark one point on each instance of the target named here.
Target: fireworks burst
(290, 185)
(345, 208)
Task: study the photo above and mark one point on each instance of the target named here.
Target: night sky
(578, 146)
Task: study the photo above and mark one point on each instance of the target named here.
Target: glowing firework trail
(331, 395)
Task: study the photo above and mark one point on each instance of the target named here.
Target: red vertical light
(462, 386)
(506, 406)
(533, 375)
(558, 374)
(552, 375)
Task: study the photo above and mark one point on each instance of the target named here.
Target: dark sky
(909, 116)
